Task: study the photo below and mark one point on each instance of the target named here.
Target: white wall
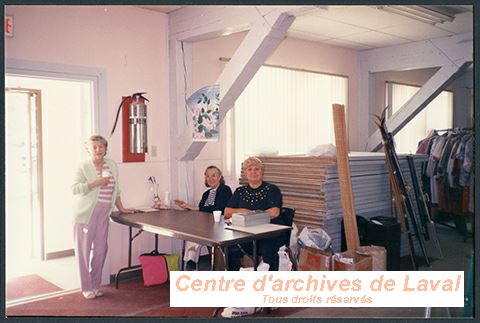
(463, 112)
(130, 44)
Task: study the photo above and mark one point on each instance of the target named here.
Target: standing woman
(213, 199)
(95, 189)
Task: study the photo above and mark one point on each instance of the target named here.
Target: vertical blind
(436, 115)
(286, 111)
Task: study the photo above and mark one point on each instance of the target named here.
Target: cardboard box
(378, 254)
(249, 218)
(360, 262)
(312, 259)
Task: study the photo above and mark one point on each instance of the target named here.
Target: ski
(431, 232)
(406, 210)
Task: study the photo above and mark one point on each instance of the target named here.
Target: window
(286, 111)
(436, 115)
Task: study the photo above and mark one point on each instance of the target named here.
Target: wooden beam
(289, 10)
(196, 23)
(421, 54)
(181, 173)
(344, 177)
(429, 91)
(256, 47)
(180, 85)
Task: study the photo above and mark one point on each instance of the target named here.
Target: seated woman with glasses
(213, 199)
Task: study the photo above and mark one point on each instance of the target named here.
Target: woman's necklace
(254, 195)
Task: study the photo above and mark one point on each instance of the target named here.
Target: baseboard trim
(59, 254)
(35, 298)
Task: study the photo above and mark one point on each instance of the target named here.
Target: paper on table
(255, 229)
(146, 209)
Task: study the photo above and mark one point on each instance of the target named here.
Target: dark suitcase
(362, 232)
(387, 235)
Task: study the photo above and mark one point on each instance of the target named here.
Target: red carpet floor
(131, 299)
(207, 312)
(26, 286)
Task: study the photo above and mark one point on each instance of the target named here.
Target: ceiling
(367, 27)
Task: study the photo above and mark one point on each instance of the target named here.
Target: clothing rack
(455, 129)
(453, 206)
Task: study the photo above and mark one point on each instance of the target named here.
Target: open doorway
(46, 123)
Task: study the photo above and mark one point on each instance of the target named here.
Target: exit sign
(9, 26)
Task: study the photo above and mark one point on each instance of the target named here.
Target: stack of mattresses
(310, 186)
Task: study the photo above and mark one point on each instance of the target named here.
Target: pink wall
(131, 45)
(133, 54)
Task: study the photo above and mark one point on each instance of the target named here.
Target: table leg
(225, 258)
(224, 252)
(182, 264)
(255, 260)
(117, 277)
(130, 267)
(212, 259)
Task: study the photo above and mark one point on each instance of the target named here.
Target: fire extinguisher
(137, 115)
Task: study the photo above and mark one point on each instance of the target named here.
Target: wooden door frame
(39, 165)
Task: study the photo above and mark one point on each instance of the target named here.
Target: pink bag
(154, 269)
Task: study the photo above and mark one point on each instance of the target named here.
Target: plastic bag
(265, 151)
(244, 311)
(315, 238)
(262, 266)
(284, 263)
(239, 311)
(328, 150)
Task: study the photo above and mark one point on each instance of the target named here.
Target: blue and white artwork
(205, 105)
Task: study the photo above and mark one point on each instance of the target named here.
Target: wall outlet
(153, 151)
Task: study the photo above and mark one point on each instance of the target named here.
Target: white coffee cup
(217, 215)
(166, 199)
(106, 173)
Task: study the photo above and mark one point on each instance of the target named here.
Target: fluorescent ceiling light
(424, 14)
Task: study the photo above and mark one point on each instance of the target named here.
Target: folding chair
(285, 218)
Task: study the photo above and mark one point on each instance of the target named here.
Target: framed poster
(204, 105)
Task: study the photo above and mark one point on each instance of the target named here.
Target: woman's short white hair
(100, 139)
